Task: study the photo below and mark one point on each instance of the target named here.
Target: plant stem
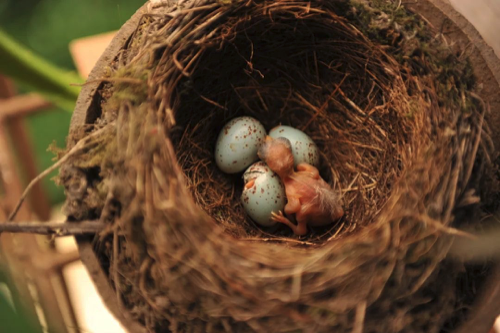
(19, 63)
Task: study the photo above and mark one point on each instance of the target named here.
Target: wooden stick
(22, 105)
(53, 228)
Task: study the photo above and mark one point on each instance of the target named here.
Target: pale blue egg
(266, 195)
(303, 147)
(237, 145)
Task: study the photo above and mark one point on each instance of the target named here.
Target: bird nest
(401, 136)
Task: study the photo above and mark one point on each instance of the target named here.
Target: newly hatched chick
(309, 197)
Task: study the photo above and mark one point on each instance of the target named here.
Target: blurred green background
(47, 27)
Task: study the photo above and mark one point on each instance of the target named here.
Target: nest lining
(398, 135)
(249, 75)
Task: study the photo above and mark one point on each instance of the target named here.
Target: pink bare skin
(310, 198)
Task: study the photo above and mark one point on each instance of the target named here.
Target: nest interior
(282, 70)
(401, 135)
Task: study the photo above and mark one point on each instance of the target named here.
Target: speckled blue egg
(237, 145)
(267, 194)
(303, 147)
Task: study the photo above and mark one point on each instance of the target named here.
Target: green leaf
(24, 66)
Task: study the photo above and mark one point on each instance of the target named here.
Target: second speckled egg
(237, 145)
(263, 194)
(303, 147)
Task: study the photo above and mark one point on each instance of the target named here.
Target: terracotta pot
(438, 13)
